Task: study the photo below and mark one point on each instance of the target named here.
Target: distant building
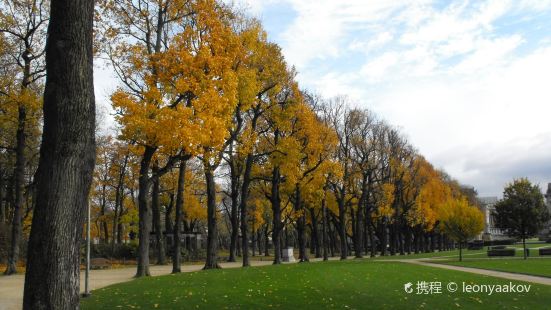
(487, 206)
(546, 232)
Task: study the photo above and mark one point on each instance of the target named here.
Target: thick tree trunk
(276, 209)
(234, 219)
(393, 238)
(266, 240)
(384, 238)
(19, 175)
(253, 241)
(342, 228)
(358, 233)
(118, 202)
(373, 250)
(144, 213)
(315, 234)
(168, 214)
(156, 208)
(103, 223)
(212, 234)
(243, 209)
(176, 252)
(66, 164)
(301, 227)
(2, 208)
(324, 229)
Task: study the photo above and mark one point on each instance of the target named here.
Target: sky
(468, 82)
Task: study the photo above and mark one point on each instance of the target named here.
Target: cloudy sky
(469, 82)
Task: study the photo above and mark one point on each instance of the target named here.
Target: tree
(23, 23)
(66, 162)
(522, 211)
(461, 221)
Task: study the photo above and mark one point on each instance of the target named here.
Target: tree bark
(342, 227)
(2, 208)
(301, 227)
(212, 234)
(276, 209)
(19, 176)
(176, 252)
(243, 209)
(324, 229)
(234, 219)
(266, 241)
(66, 163)
(144, 213)
(156, 208)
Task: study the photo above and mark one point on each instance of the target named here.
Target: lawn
(467, 254)
(355, 284)
(534, 266)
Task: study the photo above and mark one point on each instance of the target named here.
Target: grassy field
(355, 284)
(534, 266)
(467, 254)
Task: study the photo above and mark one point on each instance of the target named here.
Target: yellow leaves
(459, 220)
(385, 201)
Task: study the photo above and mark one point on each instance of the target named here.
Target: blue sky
(467, 81)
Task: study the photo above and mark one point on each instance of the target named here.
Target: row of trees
(201, 84)
(213, 125)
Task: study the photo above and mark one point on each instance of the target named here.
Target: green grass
(453, 253)
(356, 284)
(535, 266)
(467, 254)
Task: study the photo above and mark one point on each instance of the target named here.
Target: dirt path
(492, 273)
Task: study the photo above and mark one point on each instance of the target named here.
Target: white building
(487, 205)
(546, 232)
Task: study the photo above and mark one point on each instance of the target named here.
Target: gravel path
(492, 273)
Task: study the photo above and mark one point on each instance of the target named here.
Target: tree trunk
(276, 209)
(19, 175)
(168, 215)
(301, 227)
(156, 208)
(324, 229)
(144, 213)
(176, 252)
(234, 219)
(358, 233)
(266, 241)
(315, 234)
(66, 163)
(243, 209)
(342, 227)
(212, 234)
(460, 251)
(2, 208)
(253, 241)
(524, 246)
(373, 250)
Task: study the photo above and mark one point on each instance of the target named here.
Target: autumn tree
(461, 221)
(23, 26)
(522, 211)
